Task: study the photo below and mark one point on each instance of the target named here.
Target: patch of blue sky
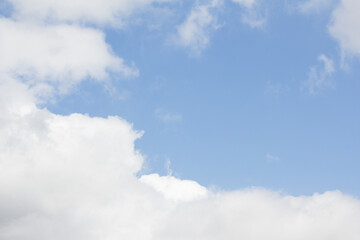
(240, 100)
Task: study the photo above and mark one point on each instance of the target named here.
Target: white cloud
(60, 176)
(260, 214)
(320, 77)
(74, 177)
(194, 32)
(345, 27)
(254, 14)
(112, 12)
(56, 57)
(175, 189)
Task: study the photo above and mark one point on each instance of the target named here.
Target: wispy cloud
(168, 167)
(272, 159)
(254, 14)
(194, 33)
(314, 6)
(319, 77)
(168, 117)
(276, 88)
(100, 12)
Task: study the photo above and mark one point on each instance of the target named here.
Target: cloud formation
(345, 27)
(60, 176)
(194, 32)
(175, 189)
(168, 117)
(320, 77)
(272, 159)
(74, 177)
(101, 12)
(311, 6)
(253, 15)
(246, 3)
(55, 58)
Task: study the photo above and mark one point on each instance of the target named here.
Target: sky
(161, 119)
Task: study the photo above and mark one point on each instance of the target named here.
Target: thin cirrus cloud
(168, 117)
(254, 14)
(74, 177)
(272, 158)
(319, 77)
(314, 6)
(246, 3)
(113, 12)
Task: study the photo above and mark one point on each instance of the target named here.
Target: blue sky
(220, 114)
(179, 120)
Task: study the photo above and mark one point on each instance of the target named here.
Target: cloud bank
(74, 177)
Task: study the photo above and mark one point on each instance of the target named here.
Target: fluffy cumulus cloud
(260, 214)
(56, 57)
(345, 27)
(74, 177)
(66, 177)
(194, 32)
(174, 188)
